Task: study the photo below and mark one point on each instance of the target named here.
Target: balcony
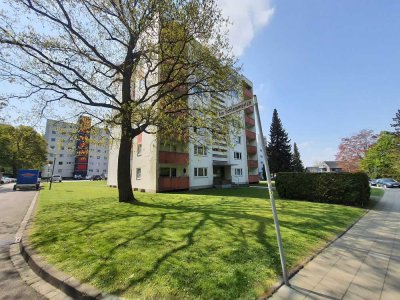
(173, 183)
(251, 149)
(249, 110)
(249, 121)
(254, 179)
(252, 164)
(173, 158)
(247, 94)
(250, 135)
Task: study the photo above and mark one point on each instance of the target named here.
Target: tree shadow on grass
(226, 215)
(157, 264)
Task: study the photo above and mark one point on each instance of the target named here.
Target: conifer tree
(396, 123)
(278, 149)
(297, 164)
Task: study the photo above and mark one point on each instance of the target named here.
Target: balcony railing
(254, 179)
(250, 135)
(173, 158)
(251, 149)
(252, 163)
(249, 121)
(173, 183)
(249, 110)
(248, 94)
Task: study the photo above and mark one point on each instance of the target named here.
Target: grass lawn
(209, 244)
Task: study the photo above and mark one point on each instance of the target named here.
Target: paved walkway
(363, 264)
(13, 207)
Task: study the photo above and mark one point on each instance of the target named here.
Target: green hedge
(341, 188)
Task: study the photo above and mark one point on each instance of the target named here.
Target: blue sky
(330, 68)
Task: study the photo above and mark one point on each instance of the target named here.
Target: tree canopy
(296, 164)
(128, 63)
(278, 149)
(396, 123)
(21, 147)
(352, 149)
(383, 158)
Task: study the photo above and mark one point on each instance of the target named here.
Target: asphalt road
(13, 207)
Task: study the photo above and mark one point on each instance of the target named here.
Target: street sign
(235, 108)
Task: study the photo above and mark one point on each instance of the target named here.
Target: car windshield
(389, 180)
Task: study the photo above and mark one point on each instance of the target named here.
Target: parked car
(56, 178)
(88, 177)
(97, 177)
(78, 176)
(388, 183)
(5, 180)
(372, 182)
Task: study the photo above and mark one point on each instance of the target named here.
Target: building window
(53, 139)
(62, 148)
(98, 151)
(61, 155)
(139, 150)
(238, 140)
(90, 170)
(200, 150)
(52, 147)
(60, 163)
(98, 157)
(200, 172)
(238, 172)
(53, 132)
(51, 155)
(237, 155)
(138, 173)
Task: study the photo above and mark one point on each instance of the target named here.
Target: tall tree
(21, 147)
(396, 123)
(352, 149)
(383, 158)
(297, 164)
(278, 149)
(131, 64)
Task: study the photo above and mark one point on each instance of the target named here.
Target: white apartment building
(76, 149)
(159, 165)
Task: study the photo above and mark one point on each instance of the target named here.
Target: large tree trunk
(124, 164)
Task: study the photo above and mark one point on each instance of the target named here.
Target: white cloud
(247, 18)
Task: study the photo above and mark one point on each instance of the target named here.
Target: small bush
(340, 188)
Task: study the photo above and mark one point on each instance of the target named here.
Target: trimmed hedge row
(340, 188)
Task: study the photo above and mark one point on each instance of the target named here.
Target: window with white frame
(139, 150)
(200, 150)
(238, 172)
(138, 173)
(237, 155)
(200, 172)
(238, 140)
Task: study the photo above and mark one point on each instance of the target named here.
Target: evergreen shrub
(339, 188)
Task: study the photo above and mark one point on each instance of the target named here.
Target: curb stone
(45, 278)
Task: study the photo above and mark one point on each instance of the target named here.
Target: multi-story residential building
(76, 149)
(260, 158)
(159, 165)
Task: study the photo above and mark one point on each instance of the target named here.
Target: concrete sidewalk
(363, 264)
